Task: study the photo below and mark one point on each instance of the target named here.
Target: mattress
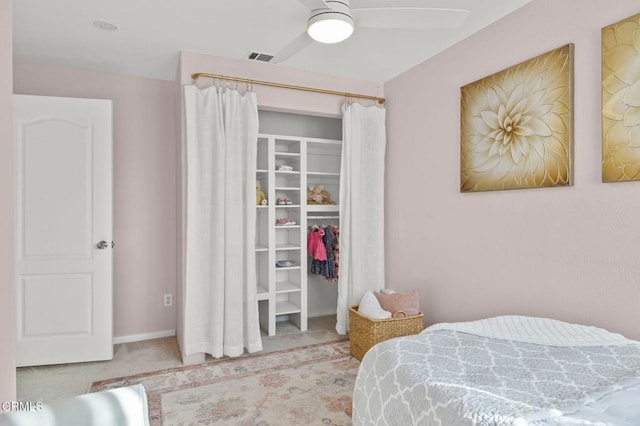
(501, 371)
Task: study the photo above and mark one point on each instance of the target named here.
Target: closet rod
(197, 75)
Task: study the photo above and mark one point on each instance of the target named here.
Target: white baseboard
(144, 336)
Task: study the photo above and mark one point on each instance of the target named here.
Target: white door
(64, 230)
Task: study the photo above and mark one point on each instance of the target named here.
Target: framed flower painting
(621, 101)
(517, 126)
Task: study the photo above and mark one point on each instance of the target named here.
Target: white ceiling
(152, 32)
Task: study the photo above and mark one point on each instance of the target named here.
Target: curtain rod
(287, 86)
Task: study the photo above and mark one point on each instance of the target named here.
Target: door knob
(102, 245)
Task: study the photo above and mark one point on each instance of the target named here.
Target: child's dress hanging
(323, 249)
(317, 250)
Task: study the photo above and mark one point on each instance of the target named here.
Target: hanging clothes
(330, 242)
(315, 246)
(317, 250)
(336, 251)
(322, 247)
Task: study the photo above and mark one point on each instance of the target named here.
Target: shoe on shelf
(284, 222)
(285, 263)
(283, 201)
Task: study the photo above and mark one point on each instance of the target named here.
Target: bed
(508, 370)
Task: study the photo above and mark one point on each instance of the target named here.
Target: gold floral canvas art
(517, 126)
(621, 101)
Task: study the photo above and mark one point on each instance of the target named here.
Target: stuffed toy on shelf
(318, 195)
(261, 199)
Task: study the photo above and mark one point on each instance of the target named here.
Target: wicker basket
(365, 332)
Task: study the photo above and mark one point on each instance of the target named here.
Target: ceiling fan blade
(298, 44)
(314, 4)
(409, 17)
(403, 4)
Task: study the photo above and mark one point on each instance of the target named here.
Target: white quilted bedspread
(502, 371)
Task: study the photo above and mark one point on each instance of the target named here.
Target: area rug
(311, 385)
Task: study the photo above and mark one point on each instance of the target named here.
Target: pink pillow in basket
(409, 303)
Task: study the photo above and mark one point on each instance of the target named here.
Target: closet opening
(297, 219)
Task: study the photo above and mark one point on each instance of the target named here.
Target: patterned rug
(311, 385)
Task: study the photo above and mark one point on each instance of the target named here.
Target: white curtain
(361, 207)
(221, 305)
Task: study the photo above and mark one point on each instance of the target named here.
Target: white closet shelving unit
(282, 290)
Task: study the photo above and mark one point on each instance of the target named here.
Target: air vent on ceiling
(256, 56)
(104, 25)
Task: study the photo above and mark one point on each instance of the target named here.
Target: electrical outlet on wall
(168, 299)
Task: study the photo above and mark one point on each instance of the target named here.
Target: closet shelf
(287, 172)
(262, 171)
(285, 307)
(287, 188)
(287, 226)
(319, 174)
(321, 142)
(262, 248)
(287, 268)
(286, 287)
(263, 292)
(284, 247)
(323, 208)
(287, 154)
(287, 206)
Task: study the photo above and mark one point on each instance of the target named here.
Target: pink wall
(144, 185)
(269, 98)
(567, 253)
(7, 281)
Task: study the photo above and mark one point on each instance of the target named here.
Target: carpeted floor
(53, 382)
(311, 385)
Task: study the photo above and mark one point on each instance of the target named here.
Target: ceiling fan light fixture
(331, 25)
(332, 29)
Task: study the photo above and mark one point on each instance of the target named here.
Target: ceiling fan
(332, 21)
